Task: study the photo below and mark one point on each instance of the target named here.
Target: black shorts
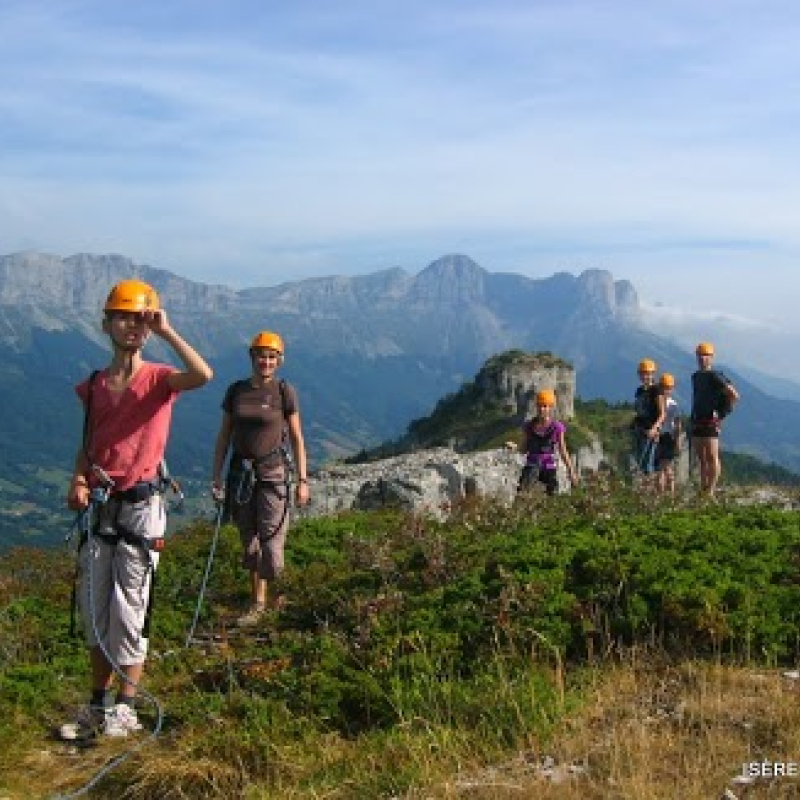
(531, 474)
(706, 428)
(666, 448)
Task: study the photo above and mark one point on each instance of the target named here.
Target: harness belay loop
(89, 525)
(242, 481)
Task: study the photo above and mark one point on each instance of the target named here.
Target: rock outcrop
(517, 377)
(427, 482)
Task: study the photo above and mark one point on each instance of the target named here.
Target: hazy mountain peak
(452, 279)
(455, 264)
(82, 281)
(602, 296)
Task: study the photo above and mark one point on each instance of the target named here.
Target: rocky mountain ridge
(81, 282)
(472, 307)
(368, 353)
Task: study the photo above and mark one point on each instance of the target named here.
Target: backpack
(723, 405)
(716, 401)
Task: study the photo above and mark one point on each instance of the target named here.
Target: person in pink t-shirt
(128, 407)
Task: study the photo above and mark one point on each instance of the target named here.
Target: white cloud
(649, 139)
(740, 341)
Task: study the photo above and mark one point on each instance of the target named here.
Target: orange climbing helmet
(667, 381)
(647, 365)
(132, 295)
(546, 397)
(705, 349)
(269, 340)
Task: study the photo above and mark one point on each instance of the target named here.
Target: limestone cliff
(517, 376)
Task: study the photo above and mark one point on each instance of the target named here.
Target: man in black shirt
(713, 396)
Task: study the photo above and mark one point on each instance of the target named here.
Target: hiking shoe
(121, 720)
(88, 722)
(252, 617)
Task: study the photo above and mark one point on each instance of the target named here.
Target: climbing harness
(246, 470)
(119, 533)
(85, 523)
(243, 494)
(242, 478)
(168, 482)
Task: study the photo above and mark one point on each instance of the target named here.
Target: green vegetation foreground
(410, 650)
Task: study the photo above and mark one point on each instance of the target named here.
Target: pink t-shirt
(128, 430)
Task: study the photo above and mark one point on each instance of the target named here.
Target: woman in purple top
(544, 443)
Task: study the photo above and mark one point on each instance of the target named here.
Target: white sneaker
(121, 720)
(88, 722)
(253, 616)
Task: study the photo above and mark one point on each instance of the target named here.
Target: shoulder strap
(238, 386)
(87, 411)
(282, 389)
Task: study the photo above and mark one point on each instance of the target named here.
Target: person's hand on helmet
(156, 320)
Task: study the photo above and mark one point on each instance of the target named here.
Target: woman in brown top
(258, 414)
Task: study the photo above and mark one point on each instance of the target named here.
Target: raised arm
(196, 372)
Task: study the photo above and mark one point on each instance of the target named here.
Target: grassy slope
(414, 654)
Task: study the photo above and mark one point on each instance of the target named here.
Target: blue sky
(251, 143)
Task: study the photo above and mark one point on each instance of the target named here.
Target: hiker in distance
(545, 441)
(713, 397)
(669, 439)
(127, 413)
(649, 413)
(257, 415)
